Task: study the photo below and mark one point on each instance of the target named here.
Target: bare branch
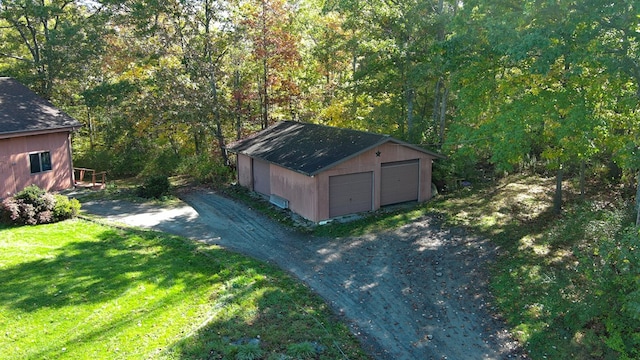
(5, 55)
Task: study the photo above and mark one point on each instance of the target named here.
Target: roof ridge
(337, 127)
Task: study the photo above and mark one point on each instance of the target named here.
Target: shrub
(154, 187)
(65, 208)
(206, 169)
(32, 194)
(33, 206)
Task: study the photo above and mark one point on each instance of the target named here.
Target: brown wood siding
(261, 177)
(300, 190)
(351, 193)
(245, 174)
(399, 182)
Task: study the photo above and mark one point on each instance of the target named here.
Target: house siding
(245, 172)
(299, 189)
(15, 166)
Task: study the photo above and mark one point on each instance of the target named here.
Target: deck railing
(98, 179)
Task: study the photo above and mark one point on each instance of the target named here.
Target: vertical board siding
(245, 172)
(299, 189)
(16, 173)
(261, 177)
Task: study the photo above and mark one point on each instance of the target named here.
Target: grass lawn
(79, 290)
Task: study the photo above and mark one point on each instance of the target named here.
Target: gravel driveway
(417, 292)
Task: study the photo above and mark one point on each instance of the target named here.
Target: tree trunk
(265, 95)
(443, 115)
(91, 130)
(236, 86)
(218, 120)
(557, 200)
(410, 93)
(638, 201)
(582, 179)
(436, 102)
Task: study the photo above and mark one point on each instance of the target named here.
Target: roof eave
(417, 148)
(20, 133)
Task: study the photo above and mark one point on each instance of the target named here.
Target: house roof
(22, 110)
(309, 148)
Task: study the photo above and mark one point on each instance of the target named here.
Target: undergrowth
(567, 284)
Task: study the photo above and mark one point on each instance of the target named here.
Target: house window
(40, 162)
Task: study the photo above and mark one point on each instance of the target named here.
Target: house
(322, 172)
(35, 141)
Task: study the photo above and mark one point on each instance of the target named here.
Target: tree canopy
(506, 84)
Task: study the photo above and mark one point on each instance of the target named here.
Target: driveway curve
(417, 292)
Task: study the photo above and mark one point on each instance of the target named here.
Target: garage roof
(21, 110)
(309, 148)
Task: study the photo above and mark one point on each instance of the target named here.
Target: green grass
(127, 189)
(79, 290)
(381, 220)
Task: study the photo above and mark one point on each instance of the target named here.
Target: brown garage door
(261, 177)
(399, 182)
(351, 193)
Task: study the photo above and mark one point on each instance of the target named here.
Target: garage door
(351, 193)
(399, 182)
(261, 177)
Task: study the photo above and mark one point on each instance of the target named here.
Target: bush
(33, 206)
(154, 187)
(206, 169)
(65, 208)
(32, 194)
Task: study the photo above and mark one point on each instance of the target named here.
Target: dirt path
(418, 292)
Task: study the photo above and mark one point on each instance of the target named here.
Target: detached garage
(323, 172)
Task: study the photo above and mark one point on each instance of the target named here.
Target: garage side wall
(16, 169)
(245, 175)
(300, 190)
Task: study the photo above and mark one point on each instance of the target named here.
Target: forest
(547, 87)
(163, 86)
(500, 86)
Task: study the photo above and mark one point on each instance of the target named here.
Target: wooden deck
(94, 180)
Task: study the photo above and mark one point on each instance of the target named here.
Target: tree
(274, 48)
(51, 40)
(398, 64)
(538, 99)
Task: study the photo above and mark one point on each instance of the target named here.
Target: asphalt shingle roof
(309, 148)
(22, 110)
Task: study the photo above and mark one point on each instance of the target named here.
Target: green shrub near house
(33, 206)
